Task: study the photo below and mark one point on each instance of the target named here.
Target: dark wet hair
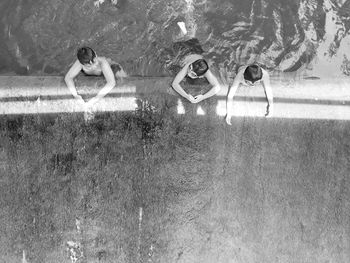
(253, 73)
(200, 66)
(85, 55)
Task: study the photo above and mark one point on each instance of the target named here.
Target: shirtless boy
(194, 66)
(92, 65)
(250, 76)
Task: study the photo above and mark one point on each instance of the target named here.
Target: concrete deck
(313, 98)
(154, 179)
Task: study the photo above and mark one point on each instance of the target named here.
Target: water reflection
(282, 35)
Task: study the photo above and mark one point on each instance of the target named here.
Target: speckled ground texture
(150, 185)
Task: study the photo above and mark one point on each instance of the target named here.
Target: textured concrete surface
(294, 98)
(152, 185)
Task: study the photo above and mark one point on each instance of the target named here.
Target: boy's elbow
(111, 82)
(175, 86)
(67, 78)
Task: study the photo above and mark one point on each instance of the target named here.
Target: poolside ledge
(301, 98)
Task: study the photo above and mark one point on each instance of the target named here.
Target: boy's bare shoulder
(239, 76)
(102, 59)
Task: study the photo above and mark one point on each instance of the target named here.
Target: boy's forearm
(71, 87)
(180, 90)
(229, 106)
(232, 92)
(212, 92)
(268, 90)
(105, 90)
(269, 96)
(102, 93)
(229, 102)
(270, 99)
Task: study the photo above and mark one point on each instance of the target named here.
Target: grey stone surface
(150, 185)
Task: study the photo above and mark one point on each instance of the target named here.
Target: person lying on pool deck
(194, 66)
(249, 76)
(92, 65)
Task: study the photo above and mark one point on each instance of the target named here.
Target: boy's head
(197, 68)
(86, 55)
(252, 74)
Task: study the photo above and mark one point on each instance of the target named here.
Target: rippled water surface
(41, 37)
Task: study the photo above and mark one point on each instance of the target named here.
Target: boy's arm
(176, 84)
(229, 103)
(215, 89)
(268, 92)
(69, 78)
(110, 82)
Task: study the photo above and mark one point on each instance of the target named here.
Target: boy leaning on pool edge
(195, 66)
(92, 65)
(249, 76)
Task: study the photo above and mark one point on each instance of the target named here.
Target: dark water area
(41, 37)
